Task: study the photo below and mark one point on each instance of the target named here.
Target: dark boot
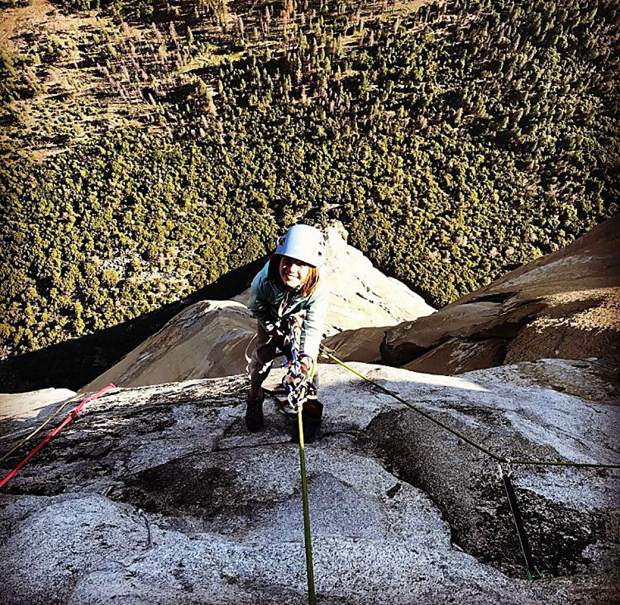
(311, 417)
(254, 412)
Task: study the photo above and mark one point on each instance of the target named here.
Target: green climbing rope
(304, 494)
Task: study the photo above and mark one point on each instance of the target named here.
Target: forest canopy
(154, 148)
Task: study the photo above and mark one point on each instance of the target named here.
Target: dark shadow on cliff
(76, 362)
(566, 536)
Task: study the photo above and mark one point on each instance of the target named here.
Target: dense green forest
(150, 147)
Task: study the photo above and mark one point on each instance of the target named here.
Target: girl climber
(288, 289)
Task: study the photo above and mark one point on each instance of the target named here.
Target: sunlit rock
(564, 305)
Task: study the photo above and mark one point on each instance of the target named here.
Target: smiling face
(293, 273)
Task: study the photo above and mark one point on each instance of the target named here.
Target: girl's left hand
(307, 363)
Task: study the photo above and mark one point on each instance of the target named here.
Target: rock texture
(362, 344)
(209, 339)
(23, 405)
(564, 305)
(157, 494)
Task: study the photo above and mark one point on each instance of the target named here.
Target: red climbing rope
(72, 414)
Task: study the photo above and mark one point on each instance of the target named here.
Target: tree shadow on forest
(74, 363)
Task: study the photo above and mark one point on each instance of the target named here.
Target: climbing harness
(286, 318)
(502, 462)
(70, 417)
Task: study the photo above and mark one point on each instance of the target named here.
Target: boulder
(361, 344)
(576, 325)
(457, 355)
(566, 304)
(158, 494)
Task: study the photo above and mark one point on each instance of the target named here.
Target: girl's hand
(306, 364)
(305, 368)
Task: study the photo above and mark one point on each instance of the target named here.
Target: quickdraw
(295, 382)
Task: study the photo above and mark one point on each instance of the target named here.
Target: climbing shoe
(311, 417)
(254, 420)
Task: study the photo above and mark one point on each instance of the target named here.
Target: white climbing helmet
(303, 243)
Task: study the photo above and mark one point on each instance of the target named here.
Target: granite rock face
(15, 408)
(563, 305)
(211, 338)
(514, 418)
(362, 344)
(158, 494)
(207, 339)
(21, 405)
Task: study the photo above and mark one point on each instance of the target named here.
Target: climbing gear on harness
(306, 363)
(295, 382)
(311, 417)
(254, 419)
(303, 243)
(301, 391)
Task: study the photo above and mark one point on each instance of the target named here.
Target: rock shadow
(565, 538)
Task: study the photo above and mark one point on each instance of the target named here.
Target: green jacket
(271, 302)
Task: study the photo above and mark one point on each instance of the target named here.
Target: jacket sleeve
(312, 329)
(259, 303)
